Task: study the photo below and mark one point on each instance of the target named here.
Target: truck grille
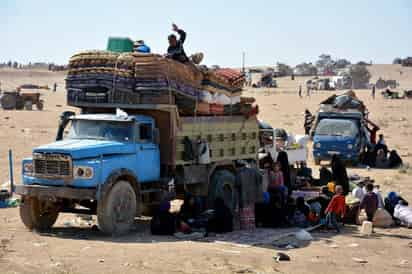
(52, 165)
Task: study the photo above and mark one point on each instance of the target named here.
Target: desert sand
(76, 248)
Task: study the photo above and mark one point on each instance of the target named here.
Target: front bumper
(343, 155)
(52, 192)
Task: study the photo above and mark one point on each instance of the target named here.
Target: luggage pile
(105, 77)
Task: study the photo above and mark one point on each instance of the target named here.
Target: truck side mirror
(156, 136)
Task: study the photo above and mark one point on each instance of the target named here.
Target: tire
(38, 215)
(317, 161)
(8, 101)
(222, 185)
(39, 105)
(28, 105)
(117, 210)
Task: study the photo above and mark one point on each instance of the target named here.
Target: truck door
(147, 153)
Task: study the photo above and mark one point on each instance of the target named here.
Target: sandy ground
(75, 248)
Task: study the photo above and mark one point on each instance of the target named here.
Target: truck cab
(339, 133)
(99, 150)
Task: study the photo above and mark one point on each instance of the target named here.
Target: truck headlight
(317, 145)
(28, 168)
(350, 146)
(83, 172)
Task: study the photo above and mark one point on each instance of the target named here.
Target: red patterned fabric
(247, 217)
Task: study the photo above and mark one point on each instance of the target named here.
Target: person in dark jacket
(175, 50)
(163, 222)
(340, 176)
(369, 202)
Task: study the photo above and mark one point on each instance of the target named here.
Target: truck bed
(228, 137)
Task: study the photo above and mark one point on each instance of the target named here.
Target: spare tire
(8, 101)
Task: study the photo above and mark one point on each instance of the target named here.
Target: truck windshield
(337, 127)
(101, 130)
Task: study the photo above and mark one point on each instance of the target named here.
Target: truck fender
(117, 175)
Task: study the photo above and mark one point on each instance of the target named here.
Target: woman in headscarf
(285, 168)
(340, 176)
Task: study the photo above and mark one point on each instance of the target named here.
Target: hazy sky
(268, 31)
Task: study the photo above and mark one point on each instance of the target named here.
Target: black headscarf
(339, 173)
(284, 166)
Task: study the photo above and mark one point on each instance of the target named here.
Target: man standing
(373, 92)
(300, 91)
(175, 50)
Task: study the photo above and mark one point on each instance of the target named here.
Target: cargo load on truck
(113, 79)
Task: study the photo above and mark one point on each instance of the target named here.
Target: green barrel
(120, 44)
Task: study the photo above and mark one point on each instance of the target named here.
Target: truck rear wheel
(117, 210)
(37, 214)
(222, 185)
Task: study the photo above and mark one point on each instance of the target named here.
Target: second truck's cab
(339, 133)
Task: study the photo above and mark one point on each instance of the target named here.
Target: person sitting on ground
(175, 50)
(303, 210)
(336, 208)
(381, 159)
(369, 203)
(394, 159)
(190, 211)
(140, 46)
(163, 222)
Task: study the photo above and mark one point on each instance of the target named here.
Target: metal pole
(11, 171)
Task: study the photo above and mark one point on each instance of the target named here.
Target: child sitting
(336, 208)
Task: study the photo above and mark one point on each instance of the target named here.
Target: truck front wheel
(117, 210)
(37, 214)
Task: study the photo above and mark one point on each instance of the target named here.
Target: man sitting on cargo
(175, 49)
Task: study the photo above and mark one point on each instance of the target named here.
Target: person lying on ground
(336, 208)
(175, 50)
(391, 200)
(370, 202)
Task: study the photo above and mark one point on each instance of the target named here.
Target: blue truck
(339, 132)
(119, 164)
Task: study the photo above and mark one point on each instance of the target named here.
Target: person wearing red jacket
(336, 207)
